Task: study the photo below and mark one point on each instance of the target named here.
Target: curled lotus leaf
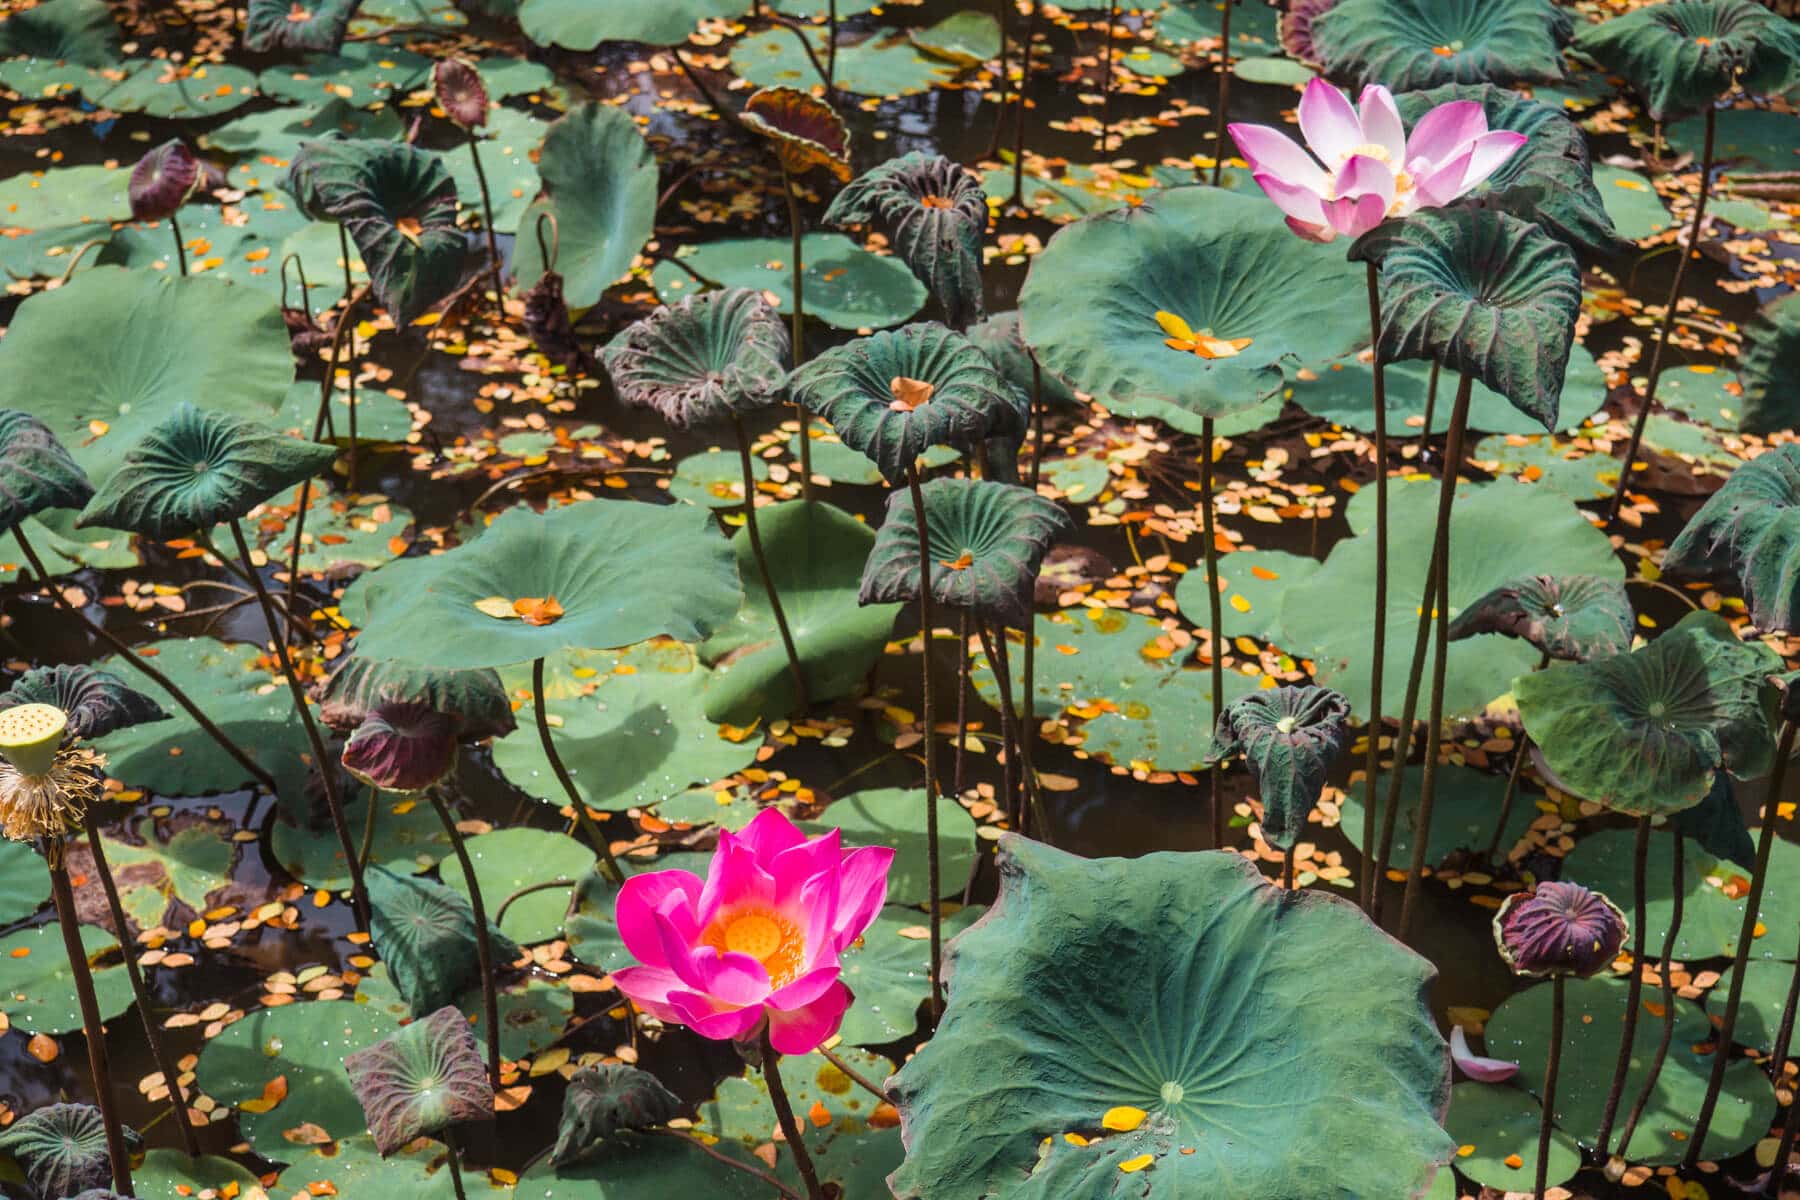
(425, 933)
(1290, 737)
(934, 213)
(608, 1099)
(895, 394)
(708, 357)
(198, 469)
(421, 1080)
(456, 85)
(1485, 294)
(1645, 733)
(1577, 617)
(62, 1148)
(96, 702)
(1749, 530)
(402, 746)
(79, 32)
(1154, 310)
(475, 699)
(38, 472)
(805, 131)
(162, 181)
(1408, 44)
(398, 203)
(1147, 975)
(320, 25)
(1767, 367)
(987, 541)
(1682, 55)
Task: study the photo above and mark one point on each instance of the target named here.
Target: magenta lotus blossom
(758, 939)
(1372, 169)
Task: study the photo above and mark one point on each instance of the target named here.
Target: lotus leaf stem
(455, 1162)
(831, 35)
(1676, 592)
(934, 872)
(1634, 992)
(1018, 192)
(783, 1189)
(798, 324)
(762, 566)
(1668, 985)
(706, 93)
(1215, 619)
(1037, 420)
(484, 947)
(493, 240)
(993, 146)
(1431, 393)
(1521, 751)
(180, 250)
(1106, 80)
(1225, 99)
(1409, 710)
(291, 623)
(1791, 1126)
(1550, 1067)
(321, 422)
(1033, 799)
(857, 1077)
(367, 850)
(962, 703)
(1378, 655)
(1785, 1032)
(542, 885)
(1287, 866)
(806, 45)
(784, 1113)
(608, 864)
(350, 399)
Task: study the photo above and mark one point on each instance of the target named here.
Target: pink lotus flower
(1372, 170)
(758, 938)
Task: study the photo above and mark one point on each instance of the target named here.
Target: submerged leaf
(706, 358)
(1576, 617)
(36, 471)
(934, 213)
(1682, 55)
(1291, 737)
(96, 702)
(805, 131)
(608, 1099)
(1750, 530)
(425, 933)
(421, 1080)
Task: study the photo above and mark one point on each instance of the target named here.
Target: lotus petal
(1577, 617)
(806, 132)
(95, 702)
(360, 685)
(706, 358)
(163, 180)
(425, 933)
(1291, 737)
(1486, 1070)
(1408, 44)
(609, 1099)
(1682, 55)
(36, 472)
(934, 213)
(421, 1080)
(317, 26)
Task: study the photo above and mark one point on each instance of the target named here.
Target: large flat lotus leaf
(37, 990)
(833, 460)
(361, 74)
(895, 817)
(1756, 138)
(62, 1148)
(247, 253)
(1769, 362)
(509, 859)
(381, 16)
(846, 286)
(1290, 738)
(36, 471)
(591, 929)
(1487, 295)
(650, 1168)
(816, 554)
(1402, 43)
(1684, 54)
(1766, 987)
(621, 571)
(125, 347)
(1463, 813)
(884, 64)
(713, 478)
(270, 25)
(277, 134)
(1181, 985)
(1498, 1125)
(197, 469)
(1631, 201)
(1252, 583)
(79, 32)
(408, 837)
(156, 87)
(180, 868)
(354, 1167)
(583, 24)
(1519, 1031)
(706, 358)
(633, 728)
(307, 1042)
(1717, 824)
(421, 1080)
(169, 1174)
(1578, 473)
(1343, 393)
(889, 972)
(176, 757)
(1494, 529)
(1750, 530)
(379, 419)
(1092, 299)
(508, 141)
(23, 884)
(935, 214)
(1644, 733)
(1252, 26)
(340, 528)
(599, 182)
(398, 204)
(64, 208)
(532, 1016)
(425, 933)
(1576, 617)
(608, 1099)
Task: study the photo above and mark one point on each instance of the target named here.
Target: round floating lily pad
(169, 1174)
(1462, 817)
(1252, 584)
(23, 884)
(508, 141)
(532, 1014)
(379, 418)
(37, 990)
(895, 817)
(1280, 72)
(158, 88)
(646, 1169)
(1343, 393)
(1708, 394)
(408, 837)
(583, 24)
(846, 286)
(591, 929)
(507, 860)
(1753, 138)
(964, 39)
(248, 254)
(362, 74)
(1252, 25)
(340, 528)
(65, 548)
(1495, 1127)
(714, 478)
(307, 1043)
(883, 64)
(838, 463)
(178, 868)
(354, 1167)
(703, 806)
(1766, 984)
(889, 972)
(1631, 201)
(1542, 460)
(1080, 478)
(51, 45)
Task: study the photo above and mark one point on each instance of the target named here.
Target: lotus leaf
(1750, 530)
(1755, 138)
(846, 286)
(77, 32)
(278, 134)
(583, 24)
(37, 990)
(1717, 824)
(271, 25)
(532, 1016)
(1000, 338)
(804, 130)
(1485, 294)
(38, 472)
(380, 419)
(1643, 733)
(306, 1043)
(599, 183)
(1291, 737)
(1682, 55)
(1467, 805)
(62, 1148)
(23, 884)
(1764, 999)
(361, 684)
(169, 871)
(126, 347)
(361, 74)
(987, 540)
(1251, 584)
(1633, 204)
(421, 1080)
(606, 1100)
(96, 702)
(509, 145)
(1340, 394)
(1253, 27)
(425, 933)
(509, 859)
(457, 87)
(886, 63)
(1499, 1127)
(1767, 367)
(157, 87)
(935, 215)
(713, 478)
(1409, 44)
(705, 358)
(895, 817)
(1577, 617)
(402, 746)
(1097, 298)
(1147, 974)
(816, 554)
(163, 180)
(408, 837)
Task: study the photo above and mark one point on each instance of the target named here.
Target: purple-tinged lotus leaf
(707, 358)
(1574, 617)
(804, 131)
(402, 746)
(460, 92)
(96, 702)
(421, 1080)
(1290, 737)
(163, 180)
(1559, 929)
(474, 699)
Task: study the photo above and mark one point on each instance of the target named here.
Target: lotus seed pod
(1559, 929)
(30, 735)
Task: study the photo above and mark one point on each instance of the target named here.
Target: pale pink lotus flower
(758, 938)
(1372, 169)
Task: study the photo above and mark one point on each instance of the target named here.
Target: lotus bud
(45, 787)
(163, 180)
(460, 93)
(1559, 929)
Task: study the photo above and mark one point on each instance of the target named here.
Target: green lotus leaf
(361, 73)
(96, 702)
(1484, 294)
(705, 358)
(37, 989)
(965, 39)
(167, 1173)
(1632, 202)
(935, 214)
(1549, 179)
(508, 859)
(1499, 1126)
(816, 554)
(1643, 733)
(1749, 530)
(361, 684)
(1291, 737)
(895, 818)
(621, 572)
(605, 1100)
(1000, 338)
(126, 347)
(532, 1015)
(156, 87)
(398, 203)
(1682, 55)
(62, 1148)
(889, 973)
(713, 478)
(77, 32)
(1092, 299)
(1753, 138)
(1760, 1008)
(270, 25)
(278, 133)
(425, 933)
(893, 395)
(1253, 27)
(1577, 617)
(23, 885)
(987, 541)
(509, 146)
(1410, 44)
(1767, 366)
(1466, 806)
(583, 24)
(38, 472)
(354, 1167)
(1251, 584)
(846, 286)
(599, 183)
(421, 1080)
(170, 866)
(408, 837)
(1717, 824)
(885, 64)
(1177, 984)
(307, 1042)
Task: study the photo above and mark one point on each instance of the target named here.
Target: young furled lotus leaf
(609, 1099)
(162, 181)
(421, 1080)
(1151, 309)
(1484, 294)
(805, 131)
(1749, 530)
(1682, 55)
(319, 25)
(581, 25)
(1409, 44)
(95, 702)
(706, 358)
(402, 746)
(1290, 737)
(457, 87)
(198, 469)
(1146, 976)
(595, 574)
(1644, 733)
(1767, 367)
(398, 203)
(897, 393)
(1548, 180)
(934, 213)
(36, 471)
(474, 699)
(62, 1148)
(425, 933)
(987, 542)
(1577, 617)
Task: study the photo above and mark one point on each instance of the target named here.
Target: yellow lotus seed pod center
(30, 735)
